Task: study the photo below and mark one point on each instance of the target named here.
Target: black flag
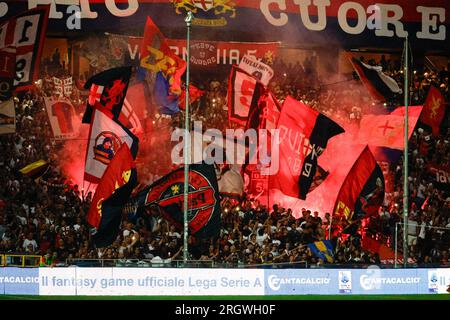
(107, 91)
(204, 200)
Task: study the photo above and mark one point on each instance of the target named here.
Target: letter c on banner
(133, 5)
(264, 7)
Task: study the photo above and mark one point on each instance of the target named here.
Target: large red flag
(362, 192)
(116, 175)
(113, 192)
(433, 110)
(387, 130)
(156, 56)
(304, 134)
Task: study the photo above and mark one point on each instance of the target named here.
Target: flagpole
(405, 158)
(187, 146)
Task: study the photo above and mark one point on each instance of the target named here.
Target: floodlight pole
(187, 145)
(405, 157)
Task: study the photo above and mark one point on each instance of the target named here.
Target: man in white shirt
(29, 241)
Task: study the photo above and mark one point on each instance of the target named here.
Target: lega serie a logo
(211, 13)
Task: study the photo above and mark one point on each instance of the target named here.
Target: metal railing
(24, 261)
(20, 260)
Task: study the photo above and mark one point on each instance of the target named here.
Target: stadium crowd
(48, 216)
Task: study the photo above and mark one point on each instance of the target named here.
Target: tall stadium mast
(187, 145)
(405, 156)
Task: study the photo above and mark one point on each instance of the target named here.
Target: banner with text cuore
(382, 23)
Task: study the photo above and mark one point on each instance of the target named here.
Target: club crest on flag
(95, 94)
(106, 145)
(114, 94)
(202, 201)
(210, 10)
(435, 105)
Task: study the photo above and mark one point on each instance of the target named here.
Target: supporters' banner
(107, 91)
(26, 33)
(260, 71)
(7, 117)
(63, 118)
(204, 54)
(62, 87)
(323, 250)
(380, 86)
(241, 87)
(112, 193)
(213, 53)
(156, 56)
(105, 138)
(433, 110)
(7, 72)
(167, 102)
(35, 170)
(363, 189)
(204, 200)
(350, 24)
(194, 94)
(387, 130)
(304, 134)
(441, 174)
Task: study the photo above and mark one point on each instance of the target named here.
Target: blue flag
(168, 103)
(323, 250)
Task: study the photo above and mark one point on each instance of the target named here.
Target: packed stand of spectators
(48, 217)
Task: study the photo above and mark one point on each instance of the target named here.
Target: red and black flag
(204, 200)
(380, 86)
(433, 110)
(362, 191)
(113, 192)
(194, 94)
(107, 91)
(303, 136)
